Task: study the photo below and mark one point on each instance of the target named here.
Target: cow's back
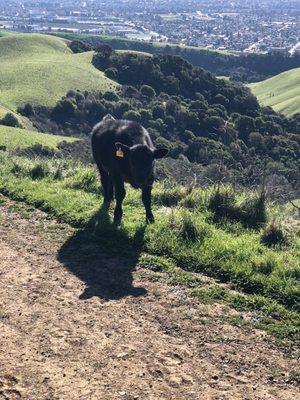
(110, 131)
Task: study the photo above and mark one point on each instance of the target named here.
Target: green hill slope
(40, 69)
(282, 92)
(12, 138)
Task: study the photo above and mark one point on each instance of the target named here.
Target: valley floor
(77, 324)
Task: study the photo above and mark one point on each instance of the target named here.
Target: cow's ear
(122, 150)
(160, 153)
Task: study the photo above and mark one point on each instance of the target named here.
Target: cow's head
(141, 159)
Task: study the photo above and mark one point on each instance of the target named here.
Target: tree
(63, 110)
(111, 96)
(257, 141)
(130, 91)
(244, 125)
(170, 122)
(148, 91)
(111, 73)
(78, 46)
(27, 110)
(146, 116)
(101, 58)
(132, 116)
(214, 123)
(105, 50)
(121, 107)
(220, 99)
(172, 107)
(158, 112)
(96, 112)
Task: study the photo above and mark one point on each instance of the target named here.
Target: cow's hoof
(150, 220)
(117, 221)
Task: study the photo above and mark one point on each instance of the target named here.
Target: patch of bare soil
(76, 324)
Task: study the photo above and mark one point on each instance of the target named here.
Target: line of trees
(202, 119)
(245, 68)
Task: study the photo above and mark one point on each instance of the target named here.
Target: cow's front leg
(146, 197)
(120, 195)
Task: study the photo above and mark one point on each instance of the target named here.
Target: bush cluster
(10, 120)
(251, 212)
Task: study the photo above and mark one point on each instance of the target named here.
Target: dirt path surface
(75, 324)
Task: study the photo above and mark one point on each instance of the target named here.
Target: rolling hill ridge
(281, 92)
(43, 69)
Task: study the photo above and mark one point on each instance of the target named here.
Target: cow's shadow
(103, 256)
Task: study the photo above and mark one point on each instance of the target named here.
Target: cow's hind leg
(107, 185)
(146, 198)
(120, 195)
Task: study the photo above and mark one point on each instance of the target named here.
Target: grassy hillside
(40, 69)
(282, 92)
(23, 121)
(185, 239)
(5, 32)
(14, 137)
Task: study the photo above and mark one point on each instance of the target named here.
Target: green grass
(183, 243)
(188, 237)
(3, 111)
(267, 314)
(282, 92)
(20, 138)
(139, 53)
(4, 33)
(40, 69)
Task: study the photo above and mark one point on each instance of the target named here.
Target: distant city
(237, 26)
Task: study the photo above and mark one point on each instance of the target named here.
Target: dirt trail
(61, 338)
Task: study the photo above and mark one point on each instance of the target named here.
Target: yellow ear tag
(119, 153)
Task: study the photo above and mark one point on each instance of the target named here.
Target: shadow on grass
(103, 256)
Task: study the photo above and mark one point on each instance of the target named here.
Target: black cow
(124, 152)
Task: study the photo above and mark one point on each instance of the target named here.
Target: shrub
(274, 235)
(18, 169)
(36, 150)
(10, 120)
(264, 265)
(79, 97)
(39, 171)
(223, 204)
(61, 170)
(188, 226)
(64, 109)
(27, 110)
(188, 230)
(105, 50)
(171, 196)
(254, 212)
(78, 46)
(251, 213)
(85, 179)
(192, 200)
